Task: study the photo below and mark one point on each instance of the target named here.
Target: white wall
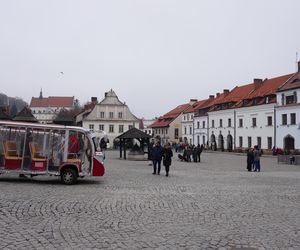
(200, 134)
(225, 130)
(262, 130)
(284, 130)
(187, 127)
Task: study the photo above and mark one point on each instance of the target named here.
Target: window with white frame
(270, 120)
(240, 141)
(101, 127)
(121, 129)
(240, 123)
(254, 122)
(284, 119)
(293, 118)
(111, 128)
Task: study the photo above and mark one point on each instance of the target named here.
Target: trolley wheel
(69, 176)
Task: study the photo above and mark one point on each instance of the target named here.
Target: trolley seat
(38, 162)
(12, 159)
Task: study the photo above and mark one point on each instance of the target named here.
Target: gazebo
(137, 134)
(25, 115)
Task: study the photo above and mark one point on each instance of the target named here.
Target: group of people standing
(158, 154)
(191, 152)
(253, 159)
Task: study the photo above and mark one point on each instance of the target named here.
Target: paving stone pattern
(215, 204)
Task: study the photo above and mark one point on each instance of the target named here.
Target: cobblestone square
(215, 204)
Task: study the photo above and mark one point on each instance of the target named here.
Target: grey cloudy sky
(155, 54)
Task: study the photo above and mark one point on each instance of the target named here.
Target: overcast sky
(155, 54)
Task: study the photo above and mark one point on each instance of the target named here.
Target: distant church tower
(41, 94)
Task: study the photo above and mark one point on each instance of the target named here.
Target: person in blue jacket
(157, 154)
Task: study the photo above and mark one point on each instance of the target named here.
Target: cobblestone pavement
(215, 204)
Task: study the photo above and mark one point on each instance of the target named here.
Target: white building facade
(111, 116)
(255, 126)
(221, 129)
(45, 109)
(288, 114)
(188, 127)
(201, 130)
(146, 126)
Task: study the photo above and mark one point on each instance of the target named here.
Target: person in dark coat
(250, 159)
(188, 153)
(184, 156)
(194, 154)
(167, 155)
(157, 154)
(199, 151)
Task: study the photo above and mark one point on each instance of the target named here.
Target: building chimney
(257, 82)
(299, 66)
(226, 91)
(211, 97)
(94, 99)
(192, 101)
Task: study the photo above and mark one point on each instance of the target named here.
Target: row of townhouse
(168, 127)
(110, 116)
(264, 113)
(45, 109)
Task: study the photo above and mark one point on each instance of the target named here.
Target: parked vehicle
(55, 150)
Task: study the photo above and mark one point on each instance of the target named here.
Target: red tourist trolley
(38, 149)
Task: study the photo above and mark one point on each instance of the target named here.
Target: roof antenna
(296, 61)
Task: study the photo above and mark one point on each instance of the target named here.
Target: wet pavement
(215, 204)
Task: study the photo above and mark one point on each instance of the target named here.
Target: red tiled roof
(206, 103)
(292, 83)
(177, 111)
(52, 101)
(192, 107)
(166, 119)
(215, 101)
(235, 95)
(269, 86)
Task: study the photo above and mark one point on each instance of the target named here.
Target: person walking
(194, 154)
(256, 155)
(199, 151)
(188, 153)
(250, 159)
(157, 154)
(167, 155)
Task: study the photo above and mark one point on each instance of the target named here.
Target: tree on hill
(13, 104)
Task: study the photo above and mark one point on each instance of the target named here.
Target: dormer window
(289, 99)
